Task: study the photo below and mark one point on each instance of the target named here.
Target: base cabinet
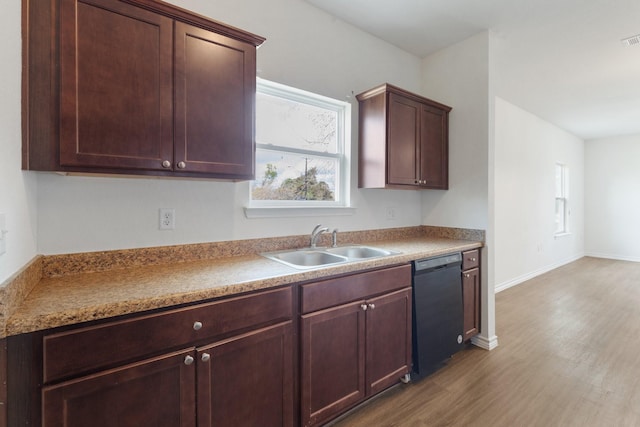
(333, 362)
(224, 363)
(471, 293)
(155, 392)
(247, 380)
(354, 350)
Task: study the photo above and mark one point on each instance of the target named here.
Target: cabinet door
(115, 85)
(403, 140)
(434, 153)
(388, 339)
(471, 302)
(332, 362)
(155, 392)
(247, 380)
(214, 107)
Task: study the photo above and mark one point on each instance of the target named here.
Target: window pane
(559, 180)
(560, 216)
(292, 124)
(286, 176)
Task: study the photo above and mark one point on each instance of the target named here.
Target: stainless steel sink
(306, 258)
(315, 258)
(359, 252)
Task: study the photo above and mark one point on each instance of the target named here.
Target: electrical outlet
(391, 213)
(167, 219)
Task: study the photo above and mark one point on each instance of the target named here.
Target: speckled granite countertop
(75, 298)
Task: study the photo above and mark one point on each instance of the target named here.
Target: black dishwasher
(437, 312)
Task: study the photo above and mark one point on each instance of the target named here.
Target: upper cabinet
(136, 87)
(404, 140)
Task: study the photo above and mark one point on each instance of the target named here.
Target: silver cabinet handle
(197, 326)
(372, 306)
(467, 275)
(188, 360)
(206, 357)
(182, 165)
(363, 307)
(166, 164)
(472, 259)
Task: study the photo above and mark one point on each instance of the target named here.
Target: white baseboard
(485, 343)
(516, 281)
(612, 256)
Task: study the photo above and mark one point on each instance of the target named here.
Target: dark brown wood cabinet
(357, 344)
(223, 363)
(403, 140)
(471, 293)
(155, 392)
(247, 380)
(136, 87)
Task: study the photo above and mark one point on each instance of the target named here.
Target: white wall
(460, 76)
(612, 199)
(305, 48)
(17, 189)
(526, 151)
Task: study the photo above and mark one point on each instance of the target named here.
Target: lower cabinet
(244, 380)
(354, 350)
(155, 392)
(223, 363)
(471, 293)
(230, 362)
(247, 380)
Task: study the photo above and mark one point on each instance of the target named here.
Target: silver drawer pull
(182, 165)
(206, 357)
(197, 326)
(363, 307)
(188, 360)
(166, 164)
(467, 275)
(372, 306)
(472, 259)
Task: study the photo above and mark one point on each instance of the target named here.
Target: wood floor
(568, 355)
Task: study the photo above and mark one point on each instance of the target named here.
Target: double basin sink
(308, 258)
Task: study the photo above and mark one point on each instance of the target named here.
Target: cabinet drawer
(332, 292)
(83, 350)
(470, 259)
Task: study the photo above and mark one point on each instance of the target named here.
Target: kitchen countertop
(71, 299)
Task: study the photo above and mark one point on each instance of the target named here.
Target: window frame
(562, 194)
(342, 155)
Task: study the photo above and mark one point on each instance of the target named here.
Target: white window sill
(282, 212)
(558, 235)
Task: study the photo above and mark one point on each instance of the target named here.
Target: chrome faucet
(334, 238)
(317, 231)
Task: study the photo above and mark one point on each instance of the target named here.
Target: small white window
(302, 141)
(562, 194)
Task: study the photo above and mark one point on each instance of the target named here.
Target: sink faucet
(317, 231)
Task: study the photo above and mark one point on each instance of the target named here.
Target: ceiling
(561, 60)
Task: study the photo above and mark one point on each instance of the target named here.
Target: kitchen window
(302, 146)
(562, 206)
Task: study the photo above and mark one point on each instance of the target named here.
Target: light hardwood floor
(568, 355)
